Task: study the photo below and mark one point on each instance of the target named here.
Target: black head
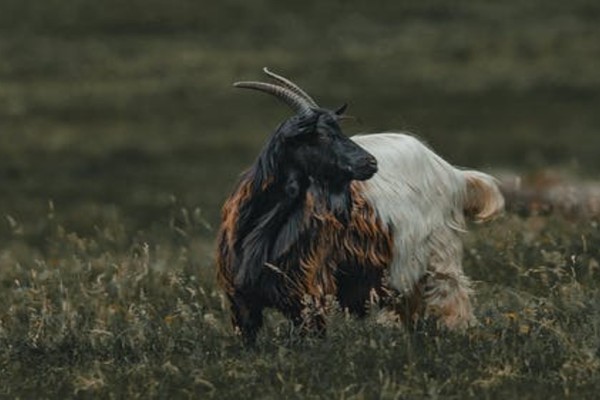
(319, 149)
(313, 142)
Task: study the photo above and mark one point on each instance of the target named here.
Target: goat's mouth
(365, 170)
(364, 175)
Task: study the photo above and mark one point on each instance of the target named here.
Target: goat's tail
(483, 198)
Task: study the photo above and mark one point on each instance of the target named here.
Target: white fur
(424, 199)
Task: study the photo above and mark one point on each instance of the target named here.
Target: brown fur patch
(318, 272)
(229, 218)
(366, 240)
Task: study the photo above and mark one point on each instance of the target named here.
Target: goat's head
(314, 144)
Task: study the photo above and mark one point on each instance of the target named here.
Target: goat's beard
(340, 204)
(336, 199)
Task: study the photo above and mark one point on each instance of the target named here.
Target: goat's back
(424, 199)
(412, 181)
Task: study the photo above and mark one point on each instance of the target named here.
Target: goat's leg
(447, 297)
(445, 288)
(307, 316)
(246, 317)
(358, 286)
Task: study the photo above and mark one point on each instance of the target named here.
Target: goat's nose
(372, 163)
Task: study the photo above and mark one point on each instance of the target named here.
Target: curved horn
(289, 97)
(292, 86)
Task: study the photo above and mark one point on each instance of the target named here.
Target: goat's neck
(281, 219)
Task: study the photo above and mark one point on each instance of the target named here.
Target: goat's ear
(299, 125)
(341, 110)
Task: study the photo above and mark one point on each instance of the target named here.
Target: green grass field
(120, 136)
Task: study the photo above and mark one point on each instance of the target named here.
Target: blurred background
(123, 110)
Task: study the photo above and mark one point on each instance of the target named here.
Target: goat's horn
(292, 86)
(292, 99)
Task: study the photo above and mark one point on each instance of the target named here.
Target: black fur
(306, 159)
(305, 151)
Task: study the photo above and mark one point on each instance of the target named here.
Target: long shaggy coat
(423, 200)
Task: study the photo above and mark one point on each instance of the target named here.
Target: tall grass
(110, 315)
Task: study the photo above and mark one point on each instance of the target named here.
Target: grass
(108, 316)
(120, 136)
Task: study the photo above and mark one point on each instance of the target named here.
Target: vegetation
(120, 136)
(100, 316)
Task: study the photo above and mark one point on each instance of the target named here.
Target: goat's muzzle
(365, 169)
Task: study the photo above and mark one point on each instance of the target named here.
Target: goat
(424, 201)
(319, 214)
(288, 214)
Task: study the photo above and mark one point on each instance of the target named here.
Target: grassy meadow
(120, 137)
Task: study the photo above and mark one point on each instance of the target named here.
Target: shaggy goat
(305, 222)
(275, 243)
